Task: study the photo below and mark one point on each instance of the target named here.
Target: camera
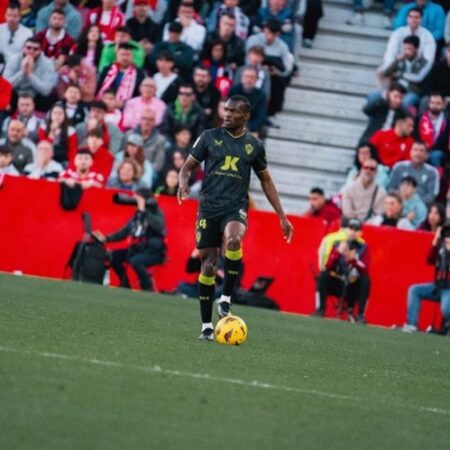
(125, 199)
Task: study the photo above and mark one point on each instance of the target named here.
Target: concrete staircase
(322, 118)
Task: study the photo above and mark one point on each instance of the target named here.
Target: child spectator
(102, 159)
(82, 174)
(44, 166)
(76, 110)
(6, 161)
(113, 113)
(414, 208)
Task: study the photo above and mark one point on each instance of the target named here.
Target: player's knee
(233, 243)
(209, 267)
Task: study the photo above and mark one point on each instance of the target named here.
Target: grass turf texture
(77, 371)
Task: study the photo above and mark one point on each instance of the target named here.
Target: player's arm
(183, 178)
(271, 193)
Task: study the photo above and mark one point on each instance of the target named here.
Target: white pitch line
(205, 376)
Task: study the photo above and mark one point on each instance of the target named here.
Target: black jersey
(228, 164)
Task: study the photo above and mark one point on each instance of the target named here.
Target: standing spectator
(207, 95)
(414, 208)
(436, 218)
(426, 176)
(34, 72)
(126, 177)
(392, 214)
(103, 160)
(13, 34)
(122, 35)
(229, 7)
(90, 46)
(123, 76)
(322, 208)
(363, 198)
(434, 129)
(22, 149)
(58, 131)
(309, 17)
(73, 17)
(44, 166)
(383, 111)
(26, 114)
(6, 161)
(55, 41)
(184, 111)
(358, 13)
(166, 80)
(108, 17)
(394, 145)
(82, 174)
(147, 100)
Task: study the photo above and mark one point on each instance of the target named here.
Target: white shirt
(13, 43)
(193, 35)
(162, 83)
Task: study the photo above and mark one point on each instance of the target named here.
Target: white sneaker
(407, 328)
(356, 19)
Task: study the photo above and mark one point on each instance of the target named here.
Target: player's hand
(288, 229)
(183, 192)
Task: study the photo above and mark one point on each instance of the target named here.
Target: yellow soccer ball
(231, 330)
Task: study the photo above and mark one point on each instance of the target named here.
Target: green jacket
(108, 55)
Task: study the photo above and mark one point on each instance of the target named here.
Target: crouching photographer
(439, 290)
(145, 234)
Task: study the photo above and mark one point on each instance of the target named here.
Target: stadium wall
(37, 237)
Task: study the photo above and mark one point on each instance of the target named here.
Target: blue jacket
(433, 18)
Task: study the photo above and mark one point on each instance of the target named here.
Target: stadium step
(342, 29)
(344, 44)
(342, 11)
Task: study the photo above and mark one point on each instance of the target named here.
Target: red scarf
(426, 129)
(127, 84)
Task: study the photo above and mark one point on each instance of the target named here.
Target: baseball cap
(135, 139)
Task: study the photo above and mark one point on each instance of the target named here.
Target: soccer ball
(231, 330)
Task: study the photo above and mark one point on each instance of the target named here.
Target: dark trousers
(277, 89)
(139, 262)
(358, 291)
(312, 16)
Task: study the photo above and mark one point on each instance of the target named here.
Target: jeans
(436, 158)
(418, 292)
(388, 6)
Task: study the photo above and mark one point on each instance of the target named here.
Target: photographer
(145, 233)
(439, 290)
(345, 274)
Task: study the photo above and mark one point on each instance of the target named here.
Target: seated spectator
(383, 111)
(22, 148)
(143, 30)
(193, 34)
(414, 208)
(364, 152)
(108, 17)
(170, 185)
(147, 100)
(434, 129)
(440, 75)
(320, 207)
(126, 177)
(279, 60)
(344, 272)
(183, 55)
(6, 161)
(34, 72)
(76, 110)
(392, 215)
(394, 145)
(363, 198)
(247, 88)
(44, 166)
(426, 176)
(82, 173)
(13, 34)
(206, 93)
(281, 11)
(102, 159)
(90, 46)
(409, 70)
(134, 149)
(73, 17)
(156, 12)
(433, 17)
(109, 53)
(166, 80)
(185, 111)
(26, 114)
(182, 141)
(123, 76)
(427, 47)
(234, 46)
(113, 113)
(28, 14)
(112, 136)
(6, 91)
(55, 41)
(436, 217)
(227, 7)
(77, 72)
(57, 130)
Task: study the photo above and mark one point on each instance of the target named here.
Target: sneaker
(351, 318)
(356, 19)
(360, 319)
(223, 309)
(307, 43)
(207, 335)
(407, 328)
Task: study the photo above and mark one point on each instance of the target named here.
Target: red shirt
(329, 213)
(72, 145)
(96, 178)
(54, 51)
(5, 93)
(391, 147)
(108, 23)
(103, 162)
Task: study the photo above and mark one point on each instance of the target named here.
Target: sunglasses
(32, 47)
(187, 94)
(372, 169)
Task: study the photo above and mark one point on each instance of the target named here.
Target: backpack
(88, 262)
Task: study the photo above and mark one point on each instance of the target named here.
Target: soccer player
(229, 154)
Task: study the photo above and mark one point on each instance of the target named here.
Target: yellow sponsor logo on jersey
(249, 148)
(230, 163)
(217, 142)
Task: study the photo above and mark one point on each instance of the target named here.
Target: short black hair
(96, 132)
(318, 191)
(73, 60)
(413, 40)
(437, 94)
(243, 100)
(409, 180)
(4, 149)
(274, 25)
(420, 142)
(126, 46)
(402, 115)
(397, 87)
(123, 29)
(26, 94)
(165, 55)
(13, 5)
(98, 104)
(58, 11)
(418, 10)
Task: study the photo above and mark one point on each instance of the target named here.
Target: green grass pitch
(86, 367)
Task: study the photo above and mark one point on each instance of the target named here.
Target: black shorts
(209, 232)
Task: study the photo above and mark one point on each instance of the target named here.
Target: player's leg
(233, 235)
(206, 290)
(118, 259)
